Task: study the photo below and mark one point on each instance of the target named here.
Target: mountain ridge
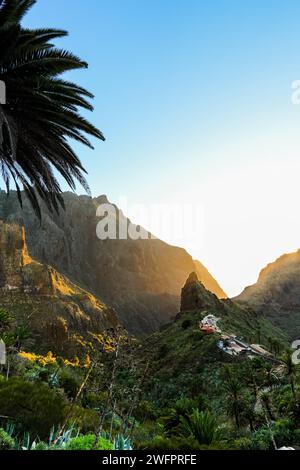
(140, 279)
(276, 293)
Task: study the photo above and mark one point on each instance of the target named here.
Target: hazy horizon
(194, 100)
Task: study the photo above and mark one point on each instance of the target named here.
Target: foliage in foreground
(41, 111)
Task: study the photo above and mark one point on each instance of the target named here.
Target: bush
(6, 442)
(69, 383)
(283, 431)
(84, 419)
(186, 324)
(145, 410)
(87, 443)
(41, 446)
(261, 439)
(33, 405)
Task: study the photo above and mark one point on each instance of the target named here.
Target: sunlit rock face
(60, 315)
(13, 256)
(276, 294)
(141, 279)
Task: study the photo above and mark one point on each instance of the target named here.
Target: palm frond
(42, 110)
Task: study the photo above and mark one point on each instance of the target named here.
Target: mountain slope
(184, 361)
(141, 279)
(276, 294)
(60, 315)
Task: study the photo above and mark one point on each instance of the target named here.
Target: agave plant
(60, 440)
(122, 443)
(27, 442)
(41, 112)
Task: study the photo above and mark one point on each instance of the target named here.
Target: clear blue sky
(191, 94)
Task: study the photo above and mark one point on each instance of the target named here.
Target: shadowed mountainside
(141, 279)
(276, 294)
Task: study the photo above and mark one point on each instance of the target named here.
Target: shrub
(87, 443)
(283, 431)
(6, 442)
(69, 383)
(33, 405)
(243, 443)
(84, 419)
(41, 446)
(186, 324)
(262, 439)
(145, 410)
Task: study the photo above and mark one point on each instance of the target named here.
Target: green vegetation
(176, 390)
(34, 405)
(6, 441)
(87, 443)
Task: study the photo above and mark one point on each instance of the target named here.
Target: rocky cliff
(141, 279)
(60, 315)
(194, 296)
(276, 294)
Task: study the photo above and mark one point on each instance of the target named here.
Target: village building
(208, 325)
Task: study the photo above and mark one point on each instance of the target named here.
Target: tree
(290, 371)
(41, 111)
(203, 426)
(275, 345)
(235, 402)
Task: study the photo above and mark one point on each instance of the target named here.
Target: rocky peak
(193, 277)
(194, 296)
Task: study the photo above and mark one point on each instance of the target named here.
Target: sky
(195, 101)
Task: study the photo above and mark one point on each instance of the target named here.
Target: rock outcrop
(60, 315)
(141, 279)
(276, 294)
(193, 294)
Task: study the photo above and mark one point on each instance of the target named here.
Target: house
(208, 330)
(208, 325)
(257, 349)
(230, 345)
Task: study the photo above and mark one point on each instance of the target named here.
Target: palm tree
(275, 345)
(235, 402)
(290, 371)
(203, 426)
(41, 111)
